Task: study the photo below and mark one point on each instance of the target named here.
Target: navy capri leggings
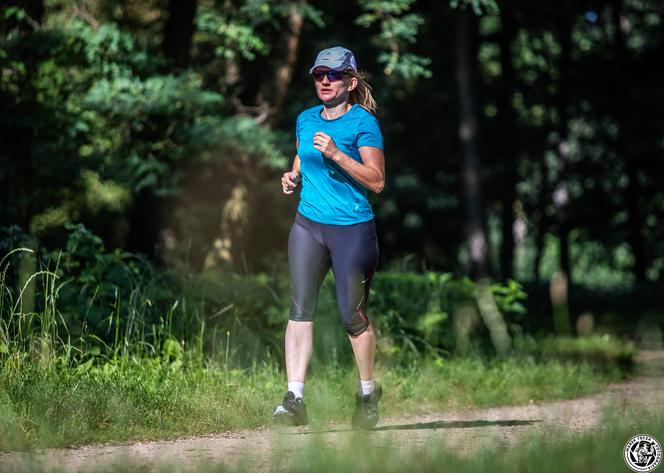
(352, 253)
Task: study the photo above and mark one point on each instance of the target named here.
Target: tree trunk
(466, 42)
(468, 135)
(540, 231)
(17, 136)
(561, 283)
(509, 155)
(561, 190)
(630, 160)
(145, 221)
(284, 56)
(178, 31)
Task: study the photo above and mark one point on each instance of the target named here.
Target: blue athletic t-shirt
(329, 194)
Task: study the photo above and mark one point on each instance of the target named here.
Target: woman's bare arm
(290, 179)
(370, 172)
(296, 165)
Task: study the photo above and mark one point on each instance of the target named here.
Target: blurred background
(142, 145)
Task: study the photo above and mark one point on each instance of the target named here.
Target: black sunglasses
(331, 74)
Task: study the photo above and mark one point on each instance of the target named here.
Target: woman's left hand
(325, 144)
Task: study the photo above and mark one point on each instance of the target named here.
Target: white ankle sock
(366, 386)
(297, 388)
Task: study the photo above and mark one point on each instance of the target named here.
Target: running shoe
(366, 416)
(291, 412)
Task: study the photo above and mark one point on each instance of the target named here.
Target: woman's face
(330, 89)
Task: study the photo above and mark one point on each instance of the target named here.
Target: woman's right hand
(289, 181)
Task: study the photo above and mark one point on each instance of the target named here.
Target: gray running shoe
(366, 415)
(292, 411)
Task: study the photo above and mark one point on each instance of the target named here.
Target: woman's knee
(357, 323)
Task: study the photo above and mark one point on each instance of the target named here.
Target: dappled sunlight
(458, 204)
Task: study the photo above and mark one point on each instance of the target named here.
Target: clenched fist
(289, 181)
(325, 144)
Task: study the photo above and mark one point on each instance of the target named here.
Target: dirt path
(464, 431)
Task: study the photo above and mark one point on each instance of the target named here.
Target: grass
(472, 382)
(554, 451)
(597, 451)
(130, 376)
(133, 398)
(598, 349)
(550, 450)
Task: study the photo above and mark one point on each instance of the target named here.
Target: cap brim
(334, 65)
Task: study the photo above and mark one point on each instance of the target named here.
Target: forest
(522, 138)
(144, 277)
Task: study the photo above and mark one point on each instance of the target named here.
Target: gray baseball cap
(336, 58)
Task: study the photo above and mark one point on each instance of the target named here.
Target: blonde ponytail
(362, 93)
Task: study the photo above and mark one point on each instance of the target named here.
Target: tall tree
(283, 58)
(466, 47)
(466, 58)
(17, 134)
(622, 111)
(509, 152)
(562, 149)
(178, 31)
(562, 281)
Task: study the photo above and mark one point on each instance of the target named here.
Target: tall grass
(550, 450)
(134, 398)
(17, 325)
(98, 345)
(70, 306)
(115, 311)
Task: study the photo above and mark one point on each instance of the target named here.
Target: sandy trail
(463, 430)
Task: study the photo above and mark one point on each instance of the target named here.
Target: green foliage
(231, 35)
(242, 30)
(162, 108)
(120, 304)
(270, 11)
(91, 107)
(397, 28)
(606, 351)
(115, 126)
(130, 351)
(241, 134)
(508, 297)
(107, 51)
(13, 11)
(130, 398)
(473, 381)
(172, 395)
(592, 450)
(86, 302)
(425, 322)
(479, 6)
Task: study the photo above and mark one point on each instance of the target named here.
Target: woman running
(339, 156)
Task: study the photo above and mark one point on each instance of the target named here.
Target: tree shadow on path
(438, 424)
